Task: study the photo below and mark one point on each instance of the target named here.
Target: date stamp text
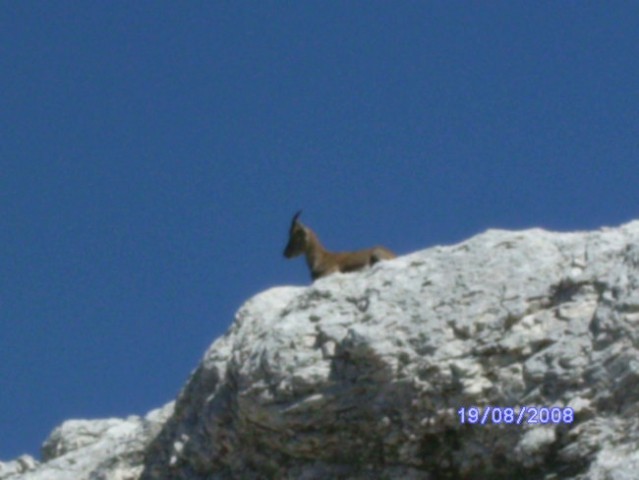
(515, 416)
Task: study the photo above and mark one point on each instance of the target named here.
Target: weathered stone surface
(361, 376)
(22, 464)
(109, 449)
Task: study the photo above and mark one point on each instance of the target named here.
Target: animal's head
(297, 238)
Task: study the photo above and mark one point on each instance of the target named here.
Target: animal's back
(381, 253)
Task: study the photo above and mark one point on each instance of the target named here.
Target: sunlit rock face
(510, 355)
(110, 449)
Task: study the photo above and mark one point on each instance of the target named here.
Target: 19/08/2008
(517, 416)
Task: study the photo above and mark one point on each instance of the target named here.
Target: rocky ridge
(363, 375)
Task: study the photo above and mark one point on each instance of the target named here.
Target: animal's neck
(315, 252)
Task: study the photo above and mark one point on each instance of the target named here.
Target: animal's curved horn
(295, 217)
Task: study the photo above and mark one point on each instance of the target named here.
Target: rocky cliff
(510, 355)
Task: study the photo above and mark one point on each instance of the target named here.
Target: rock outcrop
(368, 375)
(111, 449)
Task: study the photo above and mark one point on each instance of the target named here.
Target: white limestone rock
(22, 464)
(362, 375)
(109, 449)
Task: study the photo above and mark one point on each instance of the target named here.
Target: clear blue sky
(152, 154)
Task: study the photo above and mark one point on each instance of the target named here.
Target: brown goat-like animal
(320, 261)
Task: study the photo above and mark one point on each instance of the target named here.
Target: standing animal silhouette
(321, 262)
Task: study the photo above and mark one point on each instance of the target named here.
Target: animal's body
(321, 262)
